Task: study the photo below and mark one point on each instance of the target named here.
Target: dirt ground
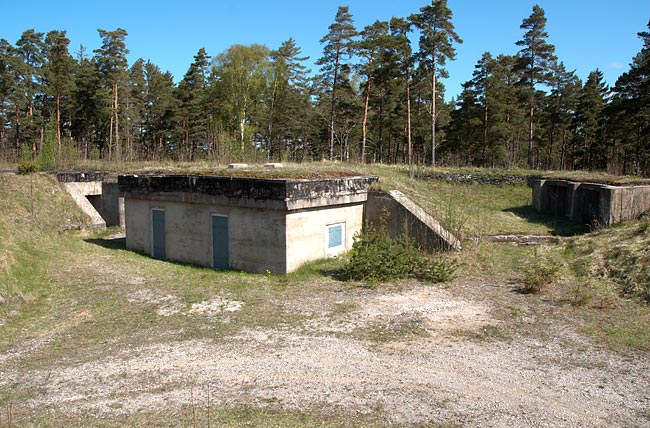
(411, 353)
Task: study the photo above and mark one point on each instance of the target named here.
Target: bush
(27, 167)
(376, 257)
(539, 274)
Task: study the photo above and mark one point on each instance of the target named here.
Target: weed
(342, 308)
(515, 311)
(397, 329)
(541, 273)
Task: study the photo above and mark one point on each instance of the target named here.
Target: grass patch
(400, 329)
(230, 417)
(73, 296)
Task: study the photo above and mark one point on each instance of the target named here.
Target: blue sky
(587, 34)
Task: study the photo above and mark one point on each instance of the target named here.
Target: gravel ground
(446, 372)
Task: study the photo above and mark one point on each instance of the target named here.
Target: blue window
(336, 238)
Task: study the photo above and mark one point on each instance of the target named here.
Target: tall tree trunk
(433, 115)
(333, 110)
(485, 133)
(116, 123)
(531, 124)
(408, 118)
(549, 153)
(563, 151)
(17, 128)
(58, 128)
(110, 139)
(365, 118)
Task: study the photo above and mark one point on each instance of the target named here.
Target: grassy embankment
(66, 294)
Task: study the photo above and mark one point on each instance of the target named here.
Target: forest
(377, 96)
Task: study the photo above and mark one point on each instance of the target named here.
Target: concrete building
(237, 222)
(590, 203)
(97, 195)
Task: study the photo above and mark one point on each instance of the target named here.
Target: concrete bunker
(97, 195)
(590, 203)
(246, 223)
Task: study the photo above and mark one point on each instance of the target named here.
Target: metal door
(158, 234)
(220, 242)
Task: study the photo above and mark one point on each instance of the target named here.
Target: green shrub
(376, 257)
(539, 274)
(27, 167)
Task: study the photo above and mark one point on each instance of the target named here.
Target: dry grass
(73, 296)
(596, 177)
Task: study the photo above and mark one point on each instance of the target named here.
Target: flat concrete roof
(264, 192)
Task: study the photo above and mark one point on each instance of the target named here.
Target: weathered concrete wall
(104, 197)
(428, 234)
(281, 194)
(256, 237)
(259, 239)
(273, 224)
(112, 204)
(306, 232)
(590, 203)
(78, 191)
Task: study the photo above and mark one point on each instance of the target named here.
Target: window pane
(335, 236)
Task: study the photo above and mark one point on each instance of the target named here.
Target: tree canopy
(377, 96)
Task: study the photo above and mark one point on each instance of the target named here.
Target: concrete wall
(590, 203)
(256, 237)
(259, 239)
(428, 234)
(112, 204)
(102, 201)
(79, 191)
(306, 232)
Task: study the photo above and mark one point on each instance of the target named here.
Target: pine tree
(112, 65)
(7, 89)
(558, 112)
(536, 62)
(339, 47)
(135, 109)
(192, 92)
(437, 36)
(507, 117)
(400, 45)
(288, 99)
(632, 96)
(27, 67)
(159, 111)
(373, 42)
(589, 121)
(58, 73)
(86, 104)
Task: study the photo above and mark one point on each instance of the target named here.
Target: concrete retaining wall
(427, 232)
(590, 203)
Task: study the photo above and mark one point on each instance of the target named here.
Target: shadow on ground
(110, 243)
(560, 226)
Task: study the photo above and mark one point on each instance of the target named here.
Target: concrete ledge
(281, 194)
(78, 194)
(428, 233)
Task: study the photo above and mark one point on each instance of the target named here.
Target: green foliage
(26, 167)
(539, 274)
(46, 158)
(377, 257)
